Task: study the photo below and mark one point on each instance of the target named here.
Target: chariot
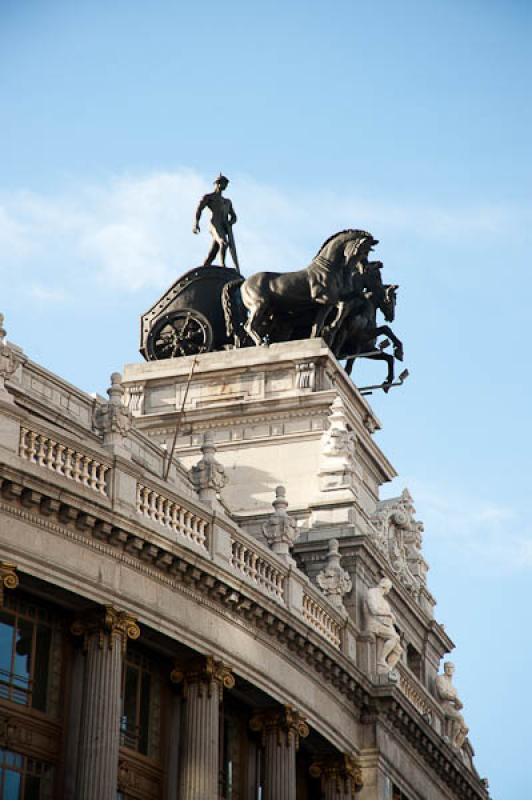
(188, 319)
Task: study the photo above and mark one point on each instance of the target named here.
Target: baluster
(60, 459)
(152, 505)
(24, 444)
(50, 452)
(41, 449)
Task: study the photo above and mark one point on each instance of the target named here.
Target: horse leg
(256, 317)
(385, 330)
(319, 321)
(391, 372)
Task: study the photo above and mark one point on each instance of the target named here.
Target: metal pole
(179, 418)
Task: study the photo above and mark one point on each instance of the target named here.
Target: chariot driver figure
(223, 218)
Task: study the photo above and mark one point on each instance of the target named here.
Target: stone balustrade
(48, 452)
(178, 519)
(416, 694)
(263, 572)
(321, 620)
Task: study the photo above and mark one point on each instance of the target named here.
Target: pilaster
(281, 730)
(105, 633)
(204, 680)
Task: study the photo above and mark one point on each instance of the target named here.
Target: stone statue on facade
(223, 218)
(446, 693)
(381, 621)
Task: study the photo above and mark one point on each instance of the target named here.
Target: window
(23, 778)
(25, 647)
(139, 723)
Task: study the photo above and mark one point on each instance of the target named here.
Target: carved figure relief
(399, 537)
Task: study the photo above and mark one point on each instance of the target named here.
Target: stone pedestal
(105, 633)
(281, 731)
(204, 681)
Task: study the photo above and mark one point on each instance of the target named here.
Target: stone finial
(280, 530)
(8, 578)
(455, 728)
(382, 622)
(109, 625)
(208, 476)
(8, 359)
(334, 580)
(288, 723)
(112, 419)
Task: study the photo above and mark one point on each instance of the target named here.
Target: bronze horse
(276, 301)
(358, 332)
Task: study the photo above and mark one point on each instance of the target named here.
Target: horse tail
(227, 305)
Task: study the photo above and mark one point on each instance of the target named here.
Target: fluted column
(105, 633)
(204, 680)
(281, 730)
(341, 777)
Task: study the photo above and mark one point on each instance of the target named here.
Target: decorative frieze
(75, 465)
(181, 521)
(8, 578)
(333, 580)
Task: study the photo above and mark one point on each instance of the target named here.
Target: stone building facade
(243, 620)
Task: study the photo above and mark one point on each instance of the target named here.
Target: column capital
(107, 622)
(8, 578)
(285, 719)
(203, 669)
(341, 768)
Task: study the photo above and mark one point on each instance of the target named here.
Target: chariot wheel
(179, 333)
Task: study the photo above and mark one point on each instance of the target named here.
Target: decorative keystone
(288, 724)
(8, 578)
(109, 625)
(204, 670)
(342, 771)
(111, 418)
(334, 580)
(208, 476)
(280, 530)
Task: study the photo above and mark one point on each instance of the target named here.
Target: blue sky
(411, 119)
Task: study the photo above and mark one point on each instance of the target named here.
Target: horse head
(344, 246)
(388, 301)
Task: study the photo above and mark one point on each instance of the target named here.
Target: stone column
(341, 777)
(281, 730)
(105, 633)
(204, 680)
